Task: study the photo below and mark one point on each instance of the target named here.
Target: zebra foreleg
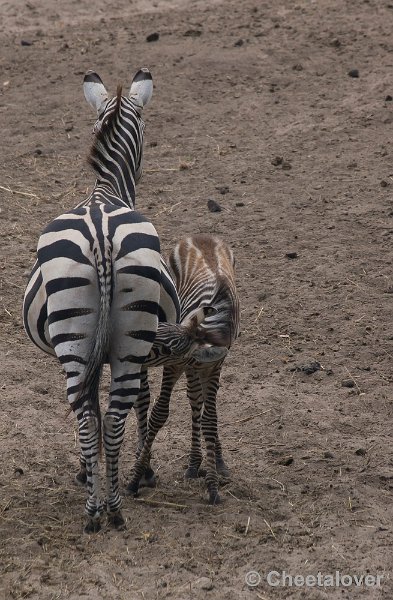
(141, 408)
(158, 417)
(194, 393)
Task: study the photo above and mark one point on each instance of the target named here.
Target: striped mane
(101, 138)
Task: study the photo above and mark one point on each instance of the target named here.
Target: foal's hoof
(214, 498)
(92, 526)
(222, 469)
(116, 521)
(191, 473)
(81, 478)
(132, 489)
(148, 479)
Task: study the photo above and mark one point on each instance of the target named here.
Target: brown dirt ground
(222, 110)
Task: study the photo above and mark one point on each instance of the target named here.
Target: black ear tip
(143, 75)
(92, 77)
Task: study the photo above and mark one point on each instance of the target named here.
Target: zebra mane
(101, 137)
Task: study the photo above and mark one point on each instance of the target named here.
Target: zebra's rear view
(94, 293)
(203, 268)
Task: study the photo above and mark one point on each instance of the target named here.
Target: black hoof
(116, 521)
(132, 489)
(222, 469)
(214, 498)
(92, 526)
(191, 473)
(148, 479)
(81, 478)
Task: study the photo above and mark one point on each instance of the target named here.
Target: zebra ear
(141, 89)
(95, 92)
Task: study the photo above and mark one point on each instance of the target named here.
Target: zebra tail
(89, 390)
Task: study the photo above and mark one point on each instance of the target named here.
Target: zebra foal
(203, 269)
(99, 289)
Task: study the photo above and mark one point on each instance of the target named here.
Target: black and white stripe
(99, 288)
(203, 268)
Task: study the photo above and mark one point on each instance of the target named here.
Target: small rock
(328, 454)
(348, 383)
(291, 254)
(240, 204)
(192, 33)
(26, 43)
(18, 471)
(335, 43)
(69, 127)
(353, 73)
(203, 583)
(277, 160)
(152, 37)
(286, 165)
(213, 206)
(360, 452)
(223, 189)
(38, 151)
(384, 183)
(297, 67)
(239, 43)
(352, 165)
(286, 461)
(388, 98)
(309, 369)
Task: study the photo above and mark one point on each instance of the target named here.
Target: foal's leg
(210, 378)
(158, 417)
(194, 393)
(141, 408)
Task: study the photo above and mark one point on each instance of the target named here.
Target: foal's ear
(141, 89)
(95, 92)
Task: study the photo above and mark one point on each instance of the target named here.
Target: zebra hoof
(148, 479)
(214, 498)
(191, 473)
(132, 489)
(222, 469)
(81, 478)
(92, 526)
(116, 521)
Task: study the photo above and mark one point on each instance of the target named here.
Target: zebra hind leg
(210, 381)
(81, 476)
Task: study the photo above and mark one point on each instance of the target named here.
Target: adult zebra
(99, 288)
(203, 267)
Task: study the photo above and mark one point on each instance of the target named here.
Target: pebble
(360, 452)
(353, 73)
(213, 206)
(203, 583)
(223, 189)
(348, 383)
(291, 254)
(239, 43)
(388, 98)
(192, 33)
(286, 461)
(240, 204)
(153, 37)
(26, 43)
(277, 160)
(328, 454)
